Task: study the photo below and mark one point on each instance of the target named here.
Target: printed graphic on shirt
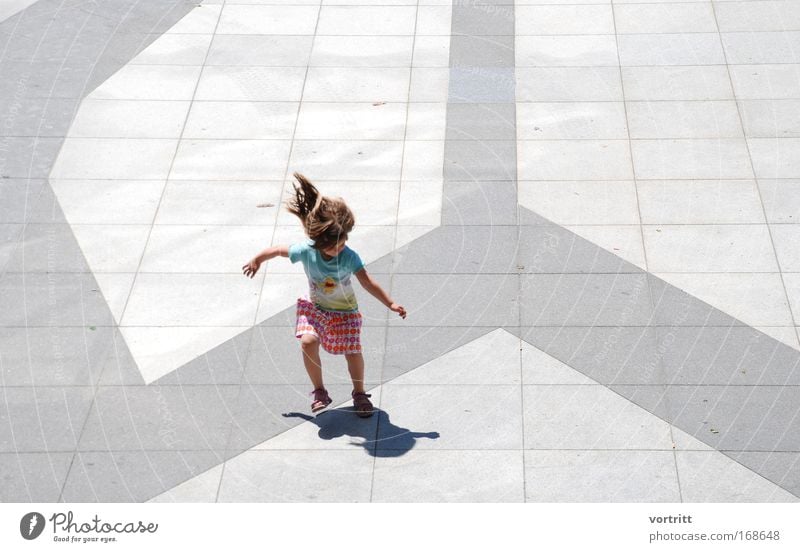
(329, 281)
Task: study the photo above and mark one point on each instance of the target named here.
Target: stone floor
(590, 209)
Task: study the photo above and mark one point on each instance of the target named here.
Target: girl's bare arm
(252, 266)
(375, 289)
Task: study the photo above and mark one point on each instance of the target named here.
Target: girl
(330, 315)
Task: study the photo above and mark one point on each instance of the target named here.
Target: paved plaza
(589, 208)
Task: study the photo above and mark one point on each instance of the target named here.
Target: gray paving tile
(777, 467)
(548, 248)
(297, 476)
(469, 417)
(737, 418)
(481, 84)
(480, 160)
(457, 299)
(600, 476)
(473, 18)
(119, 367)
(412, 346)
(481, 121)
(607, 355)
(737, 355)
(37, 117)
(33, 477)
(39, 419)
(53, 356)
(584, 300)
(42, 208)
(17, 197)
(675, 307)
(179, 418)
(450, 476)
(469, 203)
(10, 237)
(47, 248)
(41, 79)
(459, 250)
(263, 411)
(133, 476)
(482, 51)
(31, 158)
(275, 357)
(222, 365)
(54, 299)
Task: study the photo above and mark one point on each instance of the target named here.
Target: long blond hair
(326, 220)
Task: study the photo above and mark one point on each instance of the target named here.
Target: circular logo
(31, 525)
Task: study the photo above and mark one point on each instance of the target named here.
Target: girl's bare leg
(355, 365)
(313, 364)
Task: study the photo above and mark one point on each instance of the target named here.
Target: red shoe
(321, 400)
(362, 403)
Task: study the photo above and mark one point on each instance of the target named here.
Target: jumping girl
(329, 316)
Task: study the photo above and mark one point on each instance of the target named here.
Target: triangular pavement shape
(202, 488)
(608, 428)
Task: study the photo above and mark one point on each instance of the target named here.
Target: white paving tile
(192, 300)
(160, 350)
(268, 84)
(423, 160)
(129, 119)
(149, 82)
(623, 241)
(242, 120)
(367, 20)
(202, 488)
(450, 476)
(347, 160)
(571, 120)
(112, 248)
(697, 119)
(351, 121)
(755, 299)
(267, 50)
(420, 203)
(781, 199)
(175, 49)
(600, 476)
(567, 20)
(362, 51)
(792, 283)
(775, 157)
(671, 49)
(201, 20)
(434, 20)
(127, 159)
(665, 18)
(197, 248)
(491, 359)
(429, 84)
(723, 158)
(709, 476)
(677, 83)
(219, 202)
(786, 238)
(770, 118)
(574, 160)
(762, 47)
(699, 201)
(356, 84)
(297, 476)
(766, 82)
(565, 51)
(689, 248)
(581, 202)
(431, 51)
(426, 121)
(108, 201)
(280, 290)
(231, 160)
(115, 288)
(758, 16)
(578, 84)
(268, 20)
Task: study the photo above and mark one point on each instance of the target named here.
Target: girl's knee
(309, 342)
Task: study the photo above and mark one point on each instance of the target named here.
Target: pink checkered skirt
(338, 332)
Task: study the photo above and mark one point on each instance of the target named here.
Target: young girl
(330, 315)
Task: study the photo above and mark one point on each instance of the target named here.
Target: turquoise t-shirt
(328, 281)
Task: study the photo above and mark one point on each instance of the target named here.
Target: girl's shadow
(379, 436)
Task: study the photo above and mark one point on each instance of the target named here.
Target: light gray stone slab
(762, 47)
(297, 476)
(778, 467)
(697, 119)
(600, 476)
(565, 51)
(677, 83)
(450, 476)
(200, 489)
(471, 203)
(550, 249)
(670, 49)
(268, 50)
(18, 197)
(472, 417)
(571, 120)
(480, 160)
(781, 199)
(475, 121)
(580, 202)
(480, 85)
(720, 158)
(699, 201)
(476, 19)
(770, 118)
(577, 84)
(574, 160)
(761, 16)
(775, 157)
(664, 18)
(482, 51)
(33, 477)
(766, 82)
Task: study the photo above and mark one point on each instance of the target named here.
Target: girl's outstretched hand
(251, 268)
(399, 309)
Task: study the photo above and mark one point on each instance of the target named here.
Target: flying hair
(326, 220)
